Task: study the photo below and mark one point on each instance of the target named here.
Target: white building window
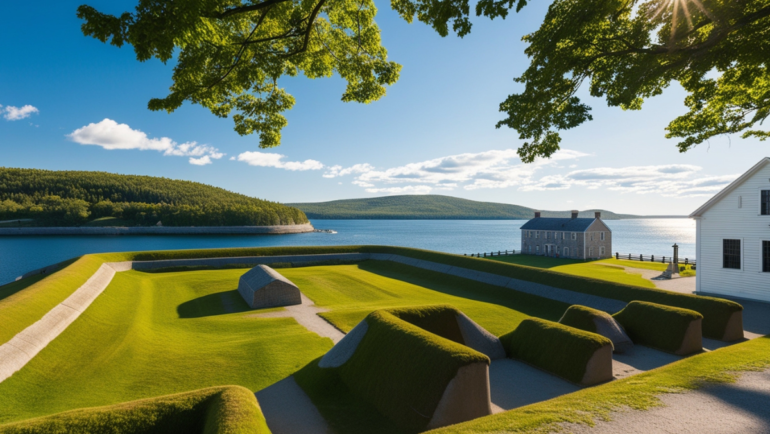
(731, 254)
(601, 249)
(602, 236)
(766, 256)
(764, 202)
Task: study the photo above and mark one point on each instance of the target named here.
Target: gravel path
(306, 315)
(685, 285)
(740, 407)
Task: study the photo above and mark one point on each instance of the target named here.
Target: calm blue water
(654, 236)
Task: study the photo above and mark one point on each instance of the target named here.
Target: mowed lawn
(353, 291)
(609, 269)
(155, 334)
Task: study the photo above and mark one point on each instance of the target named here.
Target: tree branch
(249, 8)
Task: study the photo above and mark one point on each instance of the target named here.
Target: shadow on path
(515, 384)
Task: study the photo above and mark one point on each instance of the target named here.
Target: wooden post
(652, 258)
(617, 255)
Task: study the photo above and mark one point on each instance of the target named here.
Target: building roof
(558, 224)
(730, 187)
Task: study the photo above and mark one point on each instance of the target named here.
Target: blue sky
(433, 132)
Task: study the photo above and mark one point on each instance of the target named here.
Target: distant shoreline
(312, 217)
(160, 230)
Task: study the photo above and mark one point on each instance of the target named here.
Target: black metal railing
(489, 254)
(654, 258)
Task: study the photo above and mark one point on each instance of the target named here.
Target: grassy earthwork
(154, 334)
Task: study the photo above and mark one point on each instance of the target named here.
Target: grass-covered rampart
(658, 326)
(403, 369)
(556, 348)
(581, 317)
(214, 410)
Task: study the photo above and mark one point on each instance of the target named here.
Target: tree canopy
(232, 52)
(67, 198)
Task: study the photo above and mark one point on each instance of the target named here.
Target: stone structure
(264, 287)
(576, 238)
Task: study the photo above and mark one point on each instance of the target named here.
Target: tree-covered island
(74, 198)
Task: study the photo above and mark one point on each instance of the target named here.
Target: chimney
(574, 213)
(537, 214)
(598, 214)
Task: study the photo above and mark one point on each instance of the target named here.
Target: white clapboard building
(733, 238)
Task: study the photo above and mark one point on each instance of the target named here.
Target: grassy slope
(26, 301)
(638, 392)
(353, 291)
(656, 325)
(603, 270)
(214, 410)
(427, 207)
(131, 344)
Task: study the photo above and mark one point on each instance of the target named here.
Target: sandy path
(741, 407)
(685, 285)
(306, 315)
(289, 410)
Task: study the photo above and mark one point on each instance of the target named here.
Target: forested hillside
(69, 198)
(429, 207)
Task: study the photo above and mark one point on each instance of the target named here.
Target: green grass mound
(666, 328)
(215, 410)
(718, 319)
(562, 350)
(600, 322)
(402, 369)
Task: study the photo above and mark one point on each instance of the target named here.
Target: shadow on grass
(218, 303)
(527, 304)
(345, 412)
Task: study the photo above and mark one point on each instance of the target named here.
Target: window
(601, 249)
(602, 236)
(566, 252)
(529, 248)
(537, 249)
(537, 234)
(731, 254)
(590, 251)
(563, 235)
(574, 235)
(766, 256)
(765, 200)
(592, 236)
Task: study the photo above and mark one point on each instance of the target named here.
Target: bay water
(644, 236)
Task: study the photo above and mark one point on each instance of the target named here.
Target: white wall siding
(736, 216)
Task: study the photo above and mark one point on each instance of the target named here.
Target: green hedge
(581, 317)
(403, 370)
(556, 348)
(215, 410)
(655, 325)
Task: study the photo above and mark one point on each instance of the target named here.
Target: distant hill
(74, 198)
(431, 207)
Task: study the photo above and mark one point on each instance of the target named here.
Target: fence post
(663, 260)
(629, 256)
(485, 254)
(685, 261)
(617, 255)
(465, 254)
(641, 258)
(652, 258)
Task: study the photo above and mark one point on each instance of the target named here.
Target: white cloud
(12, 113)
(202, 161)
(489, 169)
(266, 159)
(112, 136)
(335, 171)
(671, 180)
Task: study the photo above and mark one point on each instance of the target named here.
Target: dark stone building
(576, 238)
